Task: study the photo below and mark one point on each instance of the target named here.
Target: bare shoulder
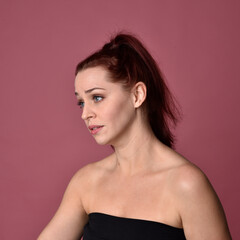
(188, 177)
(94, 169)
(184, 175)
(90, 174)
(71, 216)
(198, 205)
(189, 182)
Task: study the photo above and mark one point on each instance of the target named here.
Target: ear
(139, 92)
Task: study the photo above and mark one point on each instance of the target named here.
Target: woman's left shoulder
(197, 203)
(193, 188)
(188, 178)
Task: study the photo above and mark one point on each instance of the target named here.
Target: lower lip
(96, 130)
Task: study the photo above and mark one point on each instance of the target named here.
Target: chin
(107, 140)
(101, 141)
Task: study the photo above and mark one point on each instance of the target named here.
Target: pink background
(43, 139)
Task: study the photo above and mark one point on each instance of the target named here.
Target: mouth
(94, 129)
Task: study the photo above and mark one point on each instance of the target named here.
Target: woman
(144, 190)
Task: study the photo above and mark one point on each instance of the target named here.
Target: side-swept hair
(129, 62)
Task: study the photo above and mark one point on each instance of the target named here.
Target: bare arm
(70, 218)
(200, 209)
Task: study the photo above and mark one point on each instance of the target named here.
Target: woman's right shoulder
(88, 178)
(91, 172)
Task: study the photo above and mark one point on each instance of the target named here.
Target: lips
(94, 129)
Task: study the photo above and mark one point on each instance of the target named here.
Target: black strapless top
(103, 226)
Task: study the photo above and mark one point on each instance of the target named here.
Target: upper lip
(91, 127)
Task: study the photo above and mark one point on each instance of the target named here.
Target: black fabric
(102, 226)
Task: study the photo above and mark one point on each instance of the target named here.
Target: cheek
(119, 112)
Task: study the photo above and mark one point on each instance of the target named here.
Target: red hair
(129, 62)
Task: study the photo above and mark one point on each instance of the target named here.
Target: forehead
(96, 77)
(92, 77)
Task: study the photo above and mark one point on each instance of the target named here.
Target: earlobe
(139, 92)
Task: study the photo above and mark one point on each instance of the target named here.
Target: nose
(87, 112)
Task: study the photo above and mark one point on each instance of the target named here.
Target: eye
(97, 98)
(81, 104)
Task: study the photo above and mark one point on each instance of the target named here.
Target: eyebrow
(90, 90)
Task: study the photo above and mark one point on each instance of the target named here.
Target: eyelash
(81, 103)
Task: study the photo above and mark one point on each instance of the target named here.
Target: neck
(137, 151)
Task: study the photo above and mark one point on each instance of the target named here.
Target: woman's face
(107, 108)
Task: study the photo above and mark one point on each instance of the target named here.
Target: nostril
(87, 112)
(85, 116)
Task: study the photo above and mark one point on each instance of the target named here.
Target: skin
(156, 183)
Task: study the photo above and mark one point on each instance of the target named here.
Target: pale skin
(142, 179)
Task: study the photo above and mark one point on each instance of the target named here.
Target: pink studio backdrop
(43, 139)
